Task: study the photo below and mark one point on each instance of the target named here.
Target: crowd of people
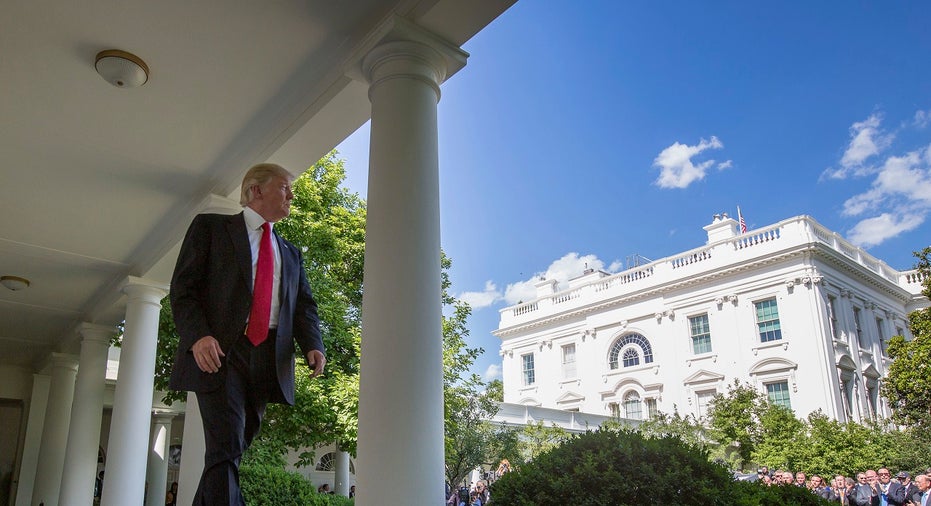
(869, 488)
(478, 494)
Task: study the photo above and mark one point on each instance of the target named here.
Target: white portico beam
(401, 385)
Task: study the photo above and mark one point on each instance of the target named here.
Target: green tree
(908, 381)
(734, 420)
(779, 438)
(687, 428)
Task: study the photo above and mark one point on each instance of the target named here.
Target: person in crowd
(844, 490)
(98, 486)
(171, 498)
(922, 494)
(324, 489)
(800, 479)
(240, 299)
(503, 467)
(891, 492)
(818, 487)
(906, 480)
(787, 478)
(352, 491)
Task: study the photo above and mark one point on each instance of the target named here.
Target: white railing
(756, 243)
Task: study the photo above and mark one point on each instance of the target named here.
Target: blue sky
(587, 132)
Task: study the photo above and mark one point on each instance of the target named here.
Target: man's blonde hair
(257, 176)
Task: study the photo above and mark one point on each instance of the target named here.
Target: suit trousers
(232, 416)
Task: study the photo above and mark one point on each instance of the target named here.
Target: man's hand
(207, 354)
(316, 361)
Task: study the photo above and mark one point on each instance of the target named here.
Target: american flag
(743, 224)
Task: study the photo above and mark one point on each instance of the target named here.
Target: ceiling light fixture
(121, 69)
(14, 283)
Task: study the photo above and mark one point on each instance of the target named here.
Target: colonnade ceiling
(101, 182)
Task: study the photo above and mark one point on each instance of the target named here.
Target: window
(846, 390)
(882, 336)
(861, 337)
(631, 357)
(767, 320)
(632, 409)
(651, 408)
(899, 331)
(615, 409)
(701, 334)
(636, 341)
(328, 463)
(832, 314)
(704, 399)
(871, 399)
(568, 361)
(778, 393)
(527, 368)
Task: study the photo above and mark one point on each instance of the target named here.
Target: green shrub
(756, 494)
(619, 467)
(264, 485)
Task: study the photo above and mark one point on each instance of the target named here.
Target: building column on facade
(834, 395)
(80, 470)
(132, 401)
(341, 474)
(401, 384)
(156, 474)
(32, 443)
(64, 368)
(192, 451)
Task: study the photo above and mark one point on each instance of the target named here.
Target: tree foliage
(908, 382)
(619, 467)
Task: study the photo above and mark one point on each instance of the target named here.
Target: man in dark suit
(240, 300)
(922, 494)
(891, 492)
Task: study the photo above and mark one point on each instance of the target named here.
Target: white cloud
(866, 140)
(922, 118)
(571, 265)
(725, 164)
(492, 373)
(676, 167)
(485, 298)
(899, 199)
(873, 231)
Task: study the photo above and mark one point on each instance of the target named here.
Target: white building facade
(792, 308)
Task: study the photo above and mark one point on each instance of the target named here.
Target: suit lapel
(236, 226)
(287, 268)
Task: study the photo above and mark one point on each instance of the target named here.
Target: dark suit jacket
(895, 494)
(211, 295)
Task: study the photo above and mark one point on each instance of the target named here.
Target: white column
(401, 385)
(192, 451)
(341, 476)
(132, 400)
(77, 485)
(156, 474)
(55, 430)
(38, 402)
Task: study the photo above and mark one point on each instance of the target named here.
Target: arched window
(632, 409)
(631, 357)
(629, 344)
(328, 463)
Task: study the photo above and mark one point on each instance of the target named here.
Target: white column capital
(144, 290)
(443, 55)
(94, 333)
(163, 417)
(63, 360)
(404, 59)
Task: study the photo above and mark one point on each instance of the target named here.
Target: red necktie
(257, 330)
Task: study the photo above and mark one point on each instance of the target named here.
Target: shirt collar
(253, 219)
